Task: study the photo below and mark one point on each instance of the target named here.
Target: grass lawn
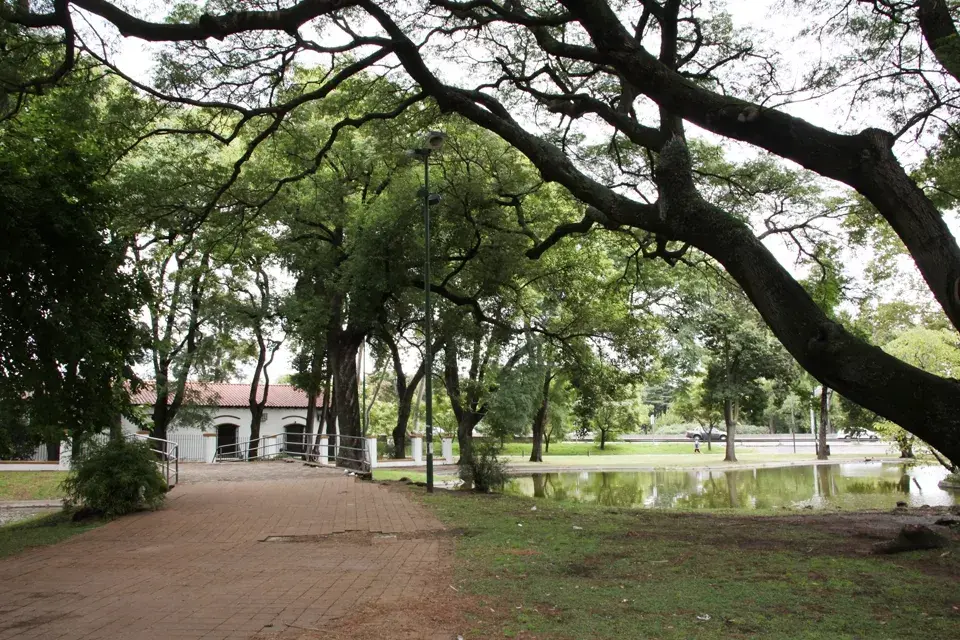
(39, 531)
(580, 571)
(396, 474)
(522, 449)
(411, 474)
(31, 485)
(611, 449)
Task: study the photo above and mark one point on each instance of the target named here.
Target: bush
(116, 478)
(484, 471)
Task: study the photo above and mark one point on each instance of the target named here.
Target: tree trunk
(348, 403)
(465, 437)
(603, 439)
(53, 451)
(256, 418)
(160, 417)
(325, 411)
(540, 421)
(824, 423)
(731, 422)
(116, 427)
(905, 443)
(404, 407)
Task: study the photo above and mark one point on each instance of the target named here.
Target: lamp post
(432, 142)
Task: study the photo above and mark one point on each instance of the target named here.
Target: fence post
(447, 449)
(416, 447)
(210, 447)
(324, 451)
(268, 447)
(372, 451)
(66, 453)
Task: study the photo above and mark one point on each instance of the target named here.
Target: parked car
(863, 434)
(701, 434)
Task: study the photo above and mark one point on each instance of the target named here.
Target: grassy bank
(611, 448)
(43, 530)
(591, 449)
(570, 571)
(398, 474)
(31, 485)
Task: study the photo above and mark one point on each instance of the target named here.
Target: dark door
(227, 441)
(295, 444)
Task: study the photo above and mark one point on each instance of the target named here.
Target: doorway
(227, 441)
(295, 444)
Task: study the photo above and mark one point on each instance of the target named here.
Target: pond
(860, 485)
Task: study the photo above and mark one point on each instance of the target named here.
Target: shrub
(484, 470)
(115, 478)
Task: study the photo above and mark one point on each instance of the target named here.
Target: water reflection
(860, 485)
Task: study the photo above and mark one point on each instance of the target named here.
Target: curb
(30, 504)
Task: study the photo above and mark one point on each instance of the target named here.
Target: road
(778, 443)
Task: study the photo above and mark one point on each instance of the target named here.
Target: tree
(257, 309)
(68, 335)
(593, 59)
(695, 404)
(933, 350)
(741, 354)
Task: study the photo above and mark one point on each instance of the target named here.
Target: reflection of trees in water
(824, 481)
(539, 485)
(744, 489)
(863, 487)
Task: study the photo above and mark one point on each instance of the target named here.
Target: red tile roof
(231, 395)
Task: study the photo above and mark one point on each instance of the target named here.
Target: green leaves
(67, 334)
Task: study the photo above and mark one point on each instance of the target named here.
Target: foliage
(116, 478)
(934, 350)
(483, 470)
(68, 338)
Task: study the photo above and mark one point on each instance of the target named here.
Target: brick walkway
(213, 563)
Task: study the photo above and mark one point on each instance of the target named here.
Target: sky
(775, 23)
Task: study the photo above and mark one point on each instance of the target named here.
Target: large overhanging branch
(207, 26)
(941, 35)
(860, 371)
(864, 161)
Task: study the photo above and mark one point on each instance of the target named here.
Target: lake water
(859, 485)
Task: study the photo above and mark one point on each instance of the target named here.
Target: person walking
(696, 445)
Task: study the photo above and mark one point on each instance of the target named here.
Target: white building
(224, 409)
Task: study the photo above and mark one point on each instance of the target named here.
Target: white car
(863, 434)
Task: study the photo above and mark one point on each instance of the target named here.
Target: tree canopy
(660, 127)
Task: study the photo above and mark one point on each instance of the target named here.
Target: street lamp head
(432, 199)
(434, 140)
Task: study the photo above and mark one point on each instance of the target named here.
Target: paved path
(214, 562)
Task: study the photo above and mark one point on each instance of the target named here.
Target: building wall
(275, 420)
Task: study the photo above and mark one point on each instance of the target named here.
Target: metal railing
(342, 449)
(168, 454)
(189, 446)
